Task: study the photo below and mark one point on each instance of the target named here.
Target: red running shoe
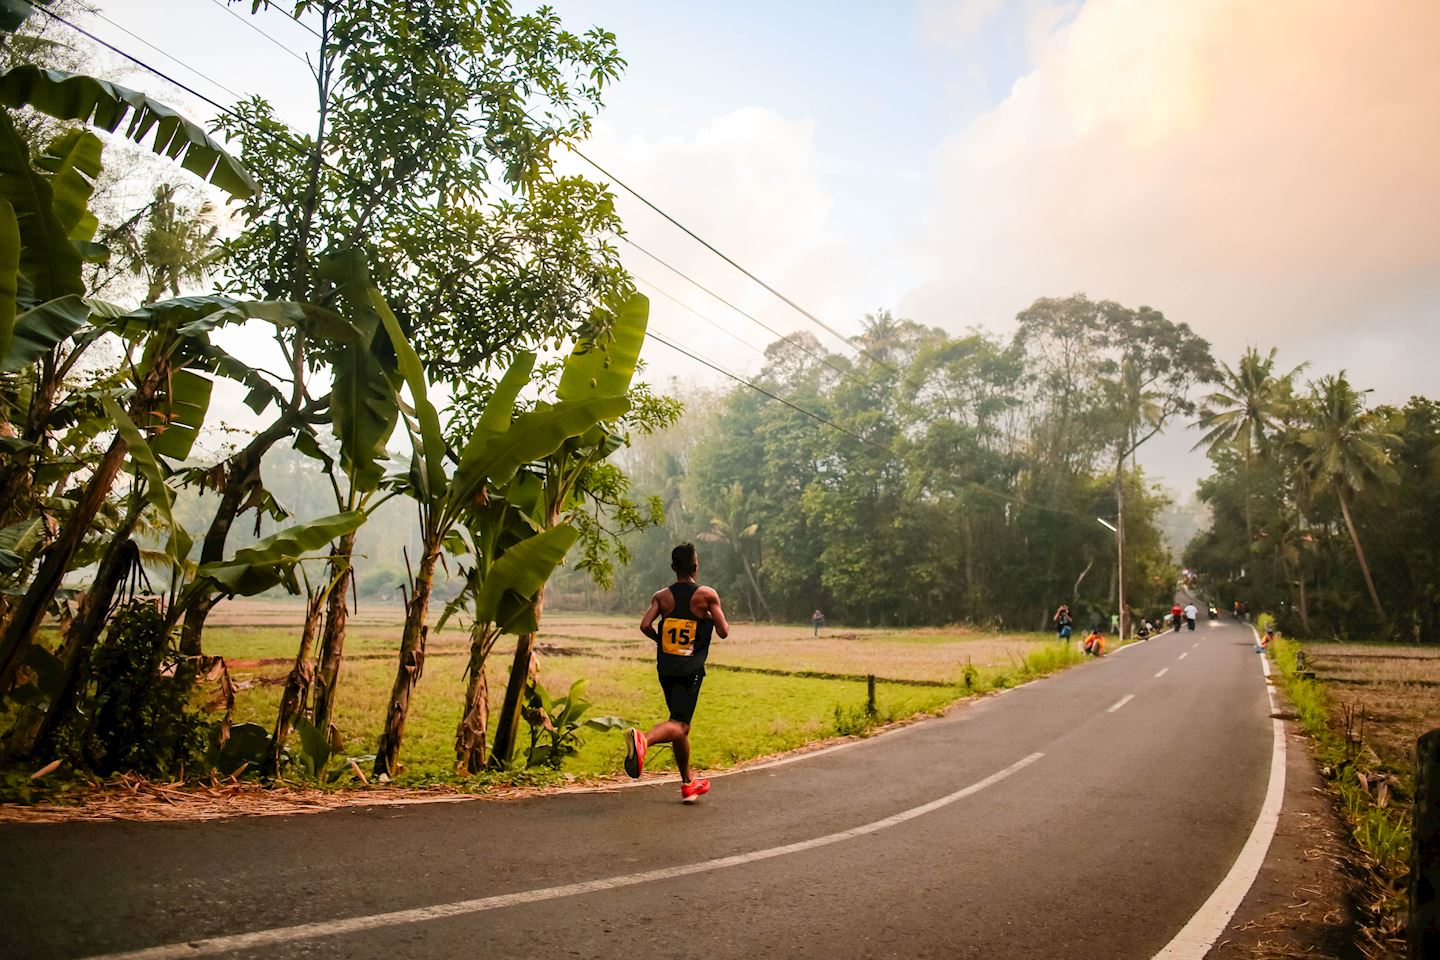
(690, 792)
(634, 753)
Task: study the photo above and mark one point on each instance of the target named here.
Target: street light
(1119, 573)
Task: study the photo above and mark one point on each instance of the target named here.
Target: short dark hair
(682, 560)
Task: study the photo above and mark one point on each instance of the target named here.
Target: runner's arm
(647, 622)
(722, 626)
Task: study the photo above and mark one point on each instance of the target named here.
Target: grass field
(742, 715)
(1366, 706)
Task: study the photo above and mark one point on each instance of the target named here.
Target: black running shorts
(681, 694)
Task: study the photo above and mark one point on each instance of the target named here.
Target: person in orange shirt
(1095, 643)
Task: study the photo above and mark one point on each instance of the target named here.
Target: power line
(755, 320)
(224, 6)
(715, 250)
(685, 306)
(169, 56)
(773, 396)
(292, 16)
(808, 413)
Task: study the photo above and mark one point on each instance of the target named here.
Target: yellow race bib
(677, 637)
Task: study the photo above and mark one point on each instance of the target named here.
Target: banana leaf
(185, 403)
(70, 96)
(605, 370)
(271, 561)
(425, 433)
(49, 262)
(72, 161)
(37, 331)
(9, 273)
(14, 13)
(532, 436)
(499, 410)
(522, 571)
(363, 405)
(156, 490)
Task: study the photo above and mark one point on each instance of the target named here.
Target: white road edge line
(1123, 700)
(1162, 673)
(1197, 937)
(330, 928)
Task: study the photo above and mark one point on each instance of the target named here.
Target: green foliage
(1322, 510)
(68, 96)
(559, 720)
(136, 716)
(974, 499)
(1381, 832)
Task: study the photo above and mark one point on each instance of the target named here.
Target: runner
(1190, 615)
(680, 620)
(1175, 614)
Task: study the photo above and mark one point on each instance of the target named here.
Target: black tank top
(684, 637)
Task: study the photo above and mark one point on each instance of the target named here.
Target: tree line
(959, 478)
(1325, 510)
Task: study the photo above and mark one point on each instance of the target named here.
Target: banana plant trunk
(332, 643)
(508, 724)
(297, 685)
(470, 748)
(35, 733)
(20, 632)
(412, 664)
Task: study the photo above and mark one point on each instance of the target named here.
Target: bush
(135, 717)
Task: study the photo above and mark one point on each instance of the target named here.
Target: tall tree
(1244, 410)
(1347, 446)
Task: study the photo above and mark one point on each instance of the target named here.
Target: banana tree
(496, 450)
(514, 557)
(593, 369)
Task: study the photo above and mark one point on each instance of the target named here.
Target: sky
(1264, 172)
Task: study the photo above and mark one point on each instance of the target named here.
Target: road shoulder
(1302, 904)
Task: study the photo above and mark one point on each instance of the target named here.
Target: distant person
(1115, 624)
(1175, 614)
(1190, 614)
(1095, 643)
(1064, 623)
(680, 620)
(1237, 609)
(817, 620)
(1262, 643)
(1143, 630)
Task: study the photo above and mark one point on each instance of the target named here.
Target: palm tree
(1244, 411)
(1346, 446)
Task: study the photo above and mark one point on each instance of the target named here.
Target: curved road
(1090, 814)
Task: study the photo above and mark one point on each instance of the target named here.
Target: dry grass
(1395, 689)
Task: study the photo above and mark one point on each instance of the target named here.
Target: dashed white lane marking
(1162, 673)
(330, 928)
(1184, 655)
(1197, 937)
(1194, 645)
(1122, 701)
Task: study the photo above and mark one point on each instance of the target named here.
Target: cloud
(952, 24)
(750, 183)
(1263, 171)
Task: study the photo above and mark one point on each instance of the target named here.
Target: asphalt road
(1086, 815)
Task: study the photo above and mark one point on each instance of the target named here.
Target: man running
(680, 620)
(1175, 614)
(1190, 614)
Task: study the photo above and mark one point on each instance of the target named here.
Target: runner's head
(683, 560)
